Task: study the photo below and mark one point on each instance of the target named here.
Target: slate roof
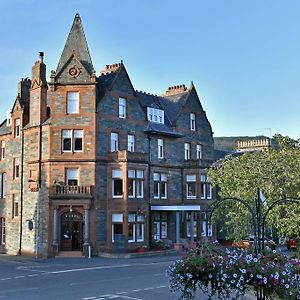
(4, 129)
(104, 83)
(148, 100)
(173, 104)
(76, 43)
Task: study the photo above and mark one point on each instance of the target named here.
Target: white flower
(209, 276)
(287, 286)
(234, 275)
(243, 271)
(255, 259)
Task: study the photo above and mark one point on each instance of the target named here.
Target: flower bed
(220, 272)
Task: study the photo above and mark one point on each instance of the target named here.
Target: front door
(71, 231)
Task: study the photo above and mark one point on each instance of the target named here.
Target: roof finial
(77, 15)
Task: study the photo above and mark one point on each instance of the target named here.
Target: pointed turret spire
(76, 45)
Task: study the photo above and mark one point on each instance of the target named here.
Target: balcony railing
(124, 155)
(71, 190)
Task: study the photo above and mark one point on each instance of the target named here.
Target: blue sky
(243, 56)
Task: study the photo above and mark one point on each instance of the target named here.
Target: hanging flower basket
(220, 272)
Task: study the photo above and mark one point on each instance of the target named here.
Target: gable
(73, 72)
(122, 83)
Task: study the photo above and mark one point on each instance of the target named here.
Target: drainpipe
(21, 195)
(149, 188)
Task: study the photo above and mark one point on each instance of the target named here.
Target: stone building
(87, 159)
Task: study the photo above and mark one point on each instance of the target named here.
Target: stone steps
(75, 254)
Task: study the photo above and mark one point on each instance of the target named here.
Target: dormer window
(155, 115)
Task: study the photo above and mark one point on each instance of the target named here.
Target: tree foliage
(276, 172)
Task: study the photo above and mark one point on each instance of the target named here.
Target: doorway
(71, 231)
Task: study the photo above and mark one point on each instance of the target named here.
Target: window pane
(156, 189)
(122, 108)
(131, 233)
(78, 134)
(67, 140)
(114, 141)
(130, 143)
(4, 185)
(131, 173)
(117, 173)
(139, 189)
(191, 189)
(164, 190)
(131, 192)
(117, 187)
(131, 217)
(156, 177)
(72, 102)
(140, 232)
(117, 218)
(163, 177)
(190, 178)
(139, 174)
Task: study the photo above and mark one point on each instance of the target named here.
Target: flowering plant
(221, 272)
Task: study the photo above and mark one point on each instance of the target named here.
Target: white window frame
(193, 121)
(206, 187)
(136, 220)
(199, 151)
(114, 141)
(16, 168)
(137, 177)
(160, 148)
(71, 134)
(116, 218)
(77, 134)
(160, 180)
(3, 185)
(117, 174)
(72, 102)
(155, 115)
(17, 127)
(15, 206)
(130, 142)
(210, 231)
(191, 179)
(2, 150)
(188, 224)
(122, 108)
(72, 174)
(187, 151)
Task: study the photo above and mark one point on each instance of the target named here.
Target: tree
(275, 171)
